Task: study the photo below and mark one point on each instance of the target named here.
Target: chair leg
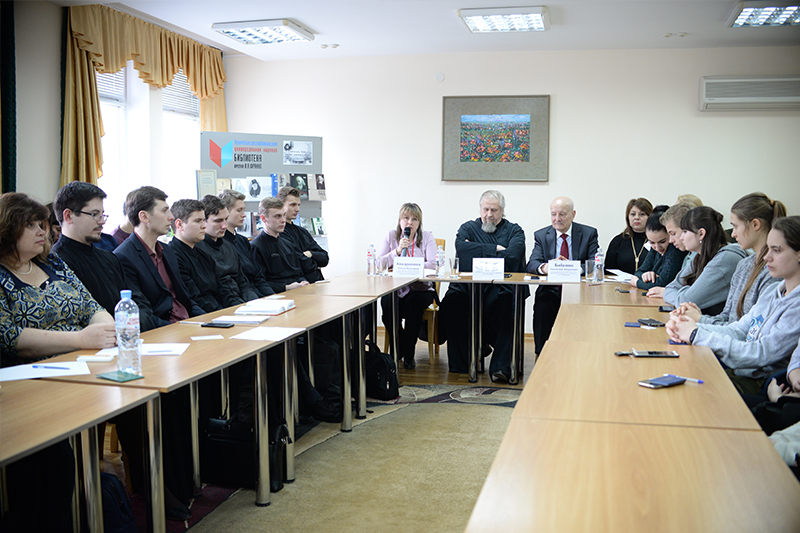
(114, 444)
(385, 341)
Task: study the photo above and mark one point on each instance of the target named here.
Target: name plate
(408, 267)
(488, 268)
(564, 271)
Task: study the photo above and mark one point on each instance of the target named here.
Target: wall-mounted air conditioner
(749, 93)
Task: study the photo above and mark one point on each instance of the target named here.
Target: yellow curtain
(104, 39)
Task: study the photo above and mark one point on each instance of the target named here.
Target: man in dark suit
(563, 240)
(150, 267)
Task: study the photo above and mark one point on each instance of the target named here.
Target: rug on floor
(453, 394)
(200, 507)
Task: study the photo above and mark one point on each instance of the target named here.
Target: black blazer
(142, 274)
(584, 245)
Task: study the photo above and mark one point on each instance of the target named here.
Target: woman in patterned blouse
(44, 308)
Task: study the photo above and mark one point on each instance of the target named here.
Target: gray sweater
(763, 283)
(761, 342)
(711, 288)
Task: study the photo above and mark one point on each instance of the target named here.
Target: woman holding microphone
(409, 240)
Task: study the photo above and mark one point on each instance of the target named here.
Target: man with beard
(563, 240)
(491, 235)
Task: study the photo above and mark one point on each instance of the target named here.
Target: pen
(51, 367)
(687, 379)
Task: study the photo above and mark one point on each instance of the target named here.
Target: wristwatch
(692, 336)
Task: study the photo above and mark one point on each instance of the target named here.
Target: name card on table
(408, 267)
(488, 268)
(564, 271)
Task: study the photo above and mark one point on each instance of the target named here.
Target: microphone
(406, 234)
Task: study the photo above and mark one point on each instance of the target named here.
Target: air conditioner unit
(750, 93)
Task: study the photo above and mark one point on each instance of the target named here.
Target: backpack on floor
(117, 511)
(382, 381)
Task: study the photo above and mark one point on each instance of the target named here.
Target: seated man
(563, 240)
(491, 235)
(234, 203)
(234, 287)
(125, 228)
(150, 267)
(198, 270)
(314, 256)
(276, 254)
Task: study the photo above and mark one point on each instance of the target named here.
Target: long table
(588, 449)
(35, 414)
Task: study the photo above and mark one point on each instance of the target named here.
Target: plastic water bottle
(371, 265)
(441, 261)
(126, 317)
(599, 265)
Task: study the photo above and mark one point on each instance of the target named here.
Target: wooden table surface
(606, 294)
(35, 414)
(354, 284)
(556, 475)
(607, 323)
(586, 381)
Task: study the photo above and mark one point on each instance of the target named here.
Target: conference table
(588, 449)
(35, 414)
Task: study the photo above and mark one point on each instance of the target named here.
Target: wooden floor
(437, 373)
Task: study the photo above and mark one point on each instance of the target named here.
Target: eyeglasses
(98, 217)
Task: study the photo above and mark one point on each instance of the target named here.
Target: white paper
(207, 337)
(242, 319)
(43, 369)
(275, 334)
(265, 307)
(176, 348)
(408, 267)
(564, 271)
(620, 275)
(488, 268)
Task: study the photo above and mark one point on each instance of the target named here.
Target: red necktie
(564, 246)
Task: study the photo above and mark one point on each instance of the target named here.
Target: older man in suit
(151, 267)
(563, 240)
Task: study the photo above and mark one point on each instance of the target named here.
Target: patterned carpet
(454, 394)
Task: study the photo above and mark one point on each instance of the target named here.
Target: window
(111, 88)
(181, 139)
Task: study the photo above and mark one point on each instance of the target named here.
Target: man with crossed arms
(562, 240)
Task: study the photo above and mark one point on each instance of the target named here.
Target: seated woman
(664, 261)
(752, 217)
(45, 310)
(415, 298)
(706, 280)
(761, 342)
(627, 250)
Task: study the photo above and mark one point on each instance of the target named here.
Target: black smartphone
(666, 308)
(217, 325)
(652, 322)
(655, 353)
(626, 291)
(662, 382)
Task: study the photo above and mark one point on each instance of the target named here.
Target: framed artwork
(495, 138)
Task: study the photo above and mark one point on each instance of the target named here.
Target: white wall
(37, 27)
(623, 123)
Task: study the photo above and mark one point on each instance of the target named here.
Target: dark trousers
(40, 490)
(545, 311)
(498, 327)
(411, 306)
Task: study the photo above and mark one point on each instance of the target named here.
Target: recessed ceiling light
(264, 31)
(506, 19)
(758, 14)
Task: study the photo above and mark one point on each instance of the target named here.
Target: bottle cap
(125, 294)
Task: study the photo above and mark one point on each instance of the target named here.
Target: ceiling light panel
(762, 14)
(264, 31)
(511, 19)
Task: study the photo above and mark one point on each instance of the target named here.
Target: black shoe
(500, 377)
(326, 411)
(409, 365)
(179, 513)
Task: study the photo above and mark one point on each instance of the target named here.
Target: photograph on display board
(247, 227)
(319, 225)
(254, 188)
(306, 224)
(316, 181)
(300, 182)
(283, 181)
(258, 225)
(298, 153)
(316, 195)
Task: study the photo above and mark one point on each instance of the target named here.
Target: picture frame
(495, 138)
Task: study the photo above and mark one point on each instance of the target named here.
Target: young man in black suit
(562, 240)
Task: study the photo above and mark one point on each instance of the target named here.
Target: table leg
(395, 329)
(289, 400)
(474, 344)
(262, 430)
(77, 511)
(516, 345)
(224, 380)
(91, 479)
(347, 338)
(310, 350)
(194, 410)
(360, 368)
(156, 519)
(374, 333)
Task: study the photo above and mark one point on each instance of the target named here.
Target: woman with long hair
(752, 217)
(707, 279)
(627, 250)
(664, 260)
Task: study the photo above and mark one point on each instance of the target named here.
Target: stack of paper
(265, 307)
(250, 320)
